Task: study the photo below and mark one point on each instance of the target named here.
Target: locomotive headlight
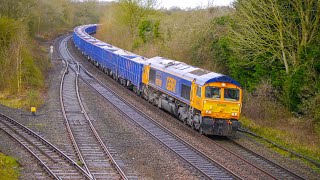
(234, 114)
(208, 111)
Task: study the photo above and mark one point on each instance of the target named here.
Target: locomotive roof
(188, 72)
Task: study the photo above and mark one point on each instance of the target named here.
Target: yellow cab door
(145, 74)
(196, 96)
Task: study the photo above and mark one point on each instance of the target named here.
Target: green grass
(13, 101)
(29, 98)
(290, 139)
(80, 163)
(9, 168)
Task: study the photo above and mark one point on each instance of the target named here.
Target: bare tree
(279, 29)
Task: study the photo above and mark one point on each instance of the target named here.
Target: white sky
(189, 3)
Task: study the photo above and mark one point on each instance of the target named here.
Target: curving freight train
(209, 102)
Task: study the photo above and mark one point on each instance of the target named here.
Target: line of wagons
(208, 102)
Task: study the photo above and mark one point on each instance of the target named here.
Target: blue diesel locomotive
(208, 102)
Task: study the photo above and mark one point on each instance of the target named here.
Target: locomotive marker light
(234, 114)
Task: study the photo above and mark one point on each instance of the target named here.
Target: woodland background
(271, 47)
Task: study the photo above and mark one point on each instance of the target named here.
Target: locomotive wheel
(185, 122)
(192, 126)
(201, 130)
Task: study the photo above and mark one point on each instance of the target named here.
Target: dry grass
(265, 116)
(179, 32)
(12, 101)
(25, 100)
(295, 134)
(112, 31)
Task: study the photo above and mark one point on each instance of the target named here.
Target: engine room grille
(199, 72)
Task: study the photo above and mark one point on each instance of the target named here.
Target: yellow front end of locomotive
(221, 110)
(218, 100)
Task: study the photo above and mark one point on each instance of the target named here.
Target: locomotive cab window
(198, 91)
(231, 94)
(152, 76)
(213, 92)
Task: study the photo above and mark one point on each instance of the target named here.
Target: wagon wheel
(201, 130)
(185, 121)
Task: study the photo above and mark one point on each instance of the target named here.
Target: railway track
(92, 152)
(262, 164)
(270, 169)
(56, 164)
(205, 165)
(245, 131)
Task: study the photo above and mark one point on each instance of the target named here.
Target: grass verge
(307, 145)
(29, 98)
(9, 168)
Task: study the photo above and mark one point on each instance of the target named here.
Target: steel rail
(95, 133)
(43, 164)
(122, 174)
(75, 145)
(43, 142)
(193, 149)
(281, 147)
(105, 149)
(294, 175)
(261, 157)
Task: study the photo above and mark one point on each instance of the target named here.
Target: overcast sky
(189, 3)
